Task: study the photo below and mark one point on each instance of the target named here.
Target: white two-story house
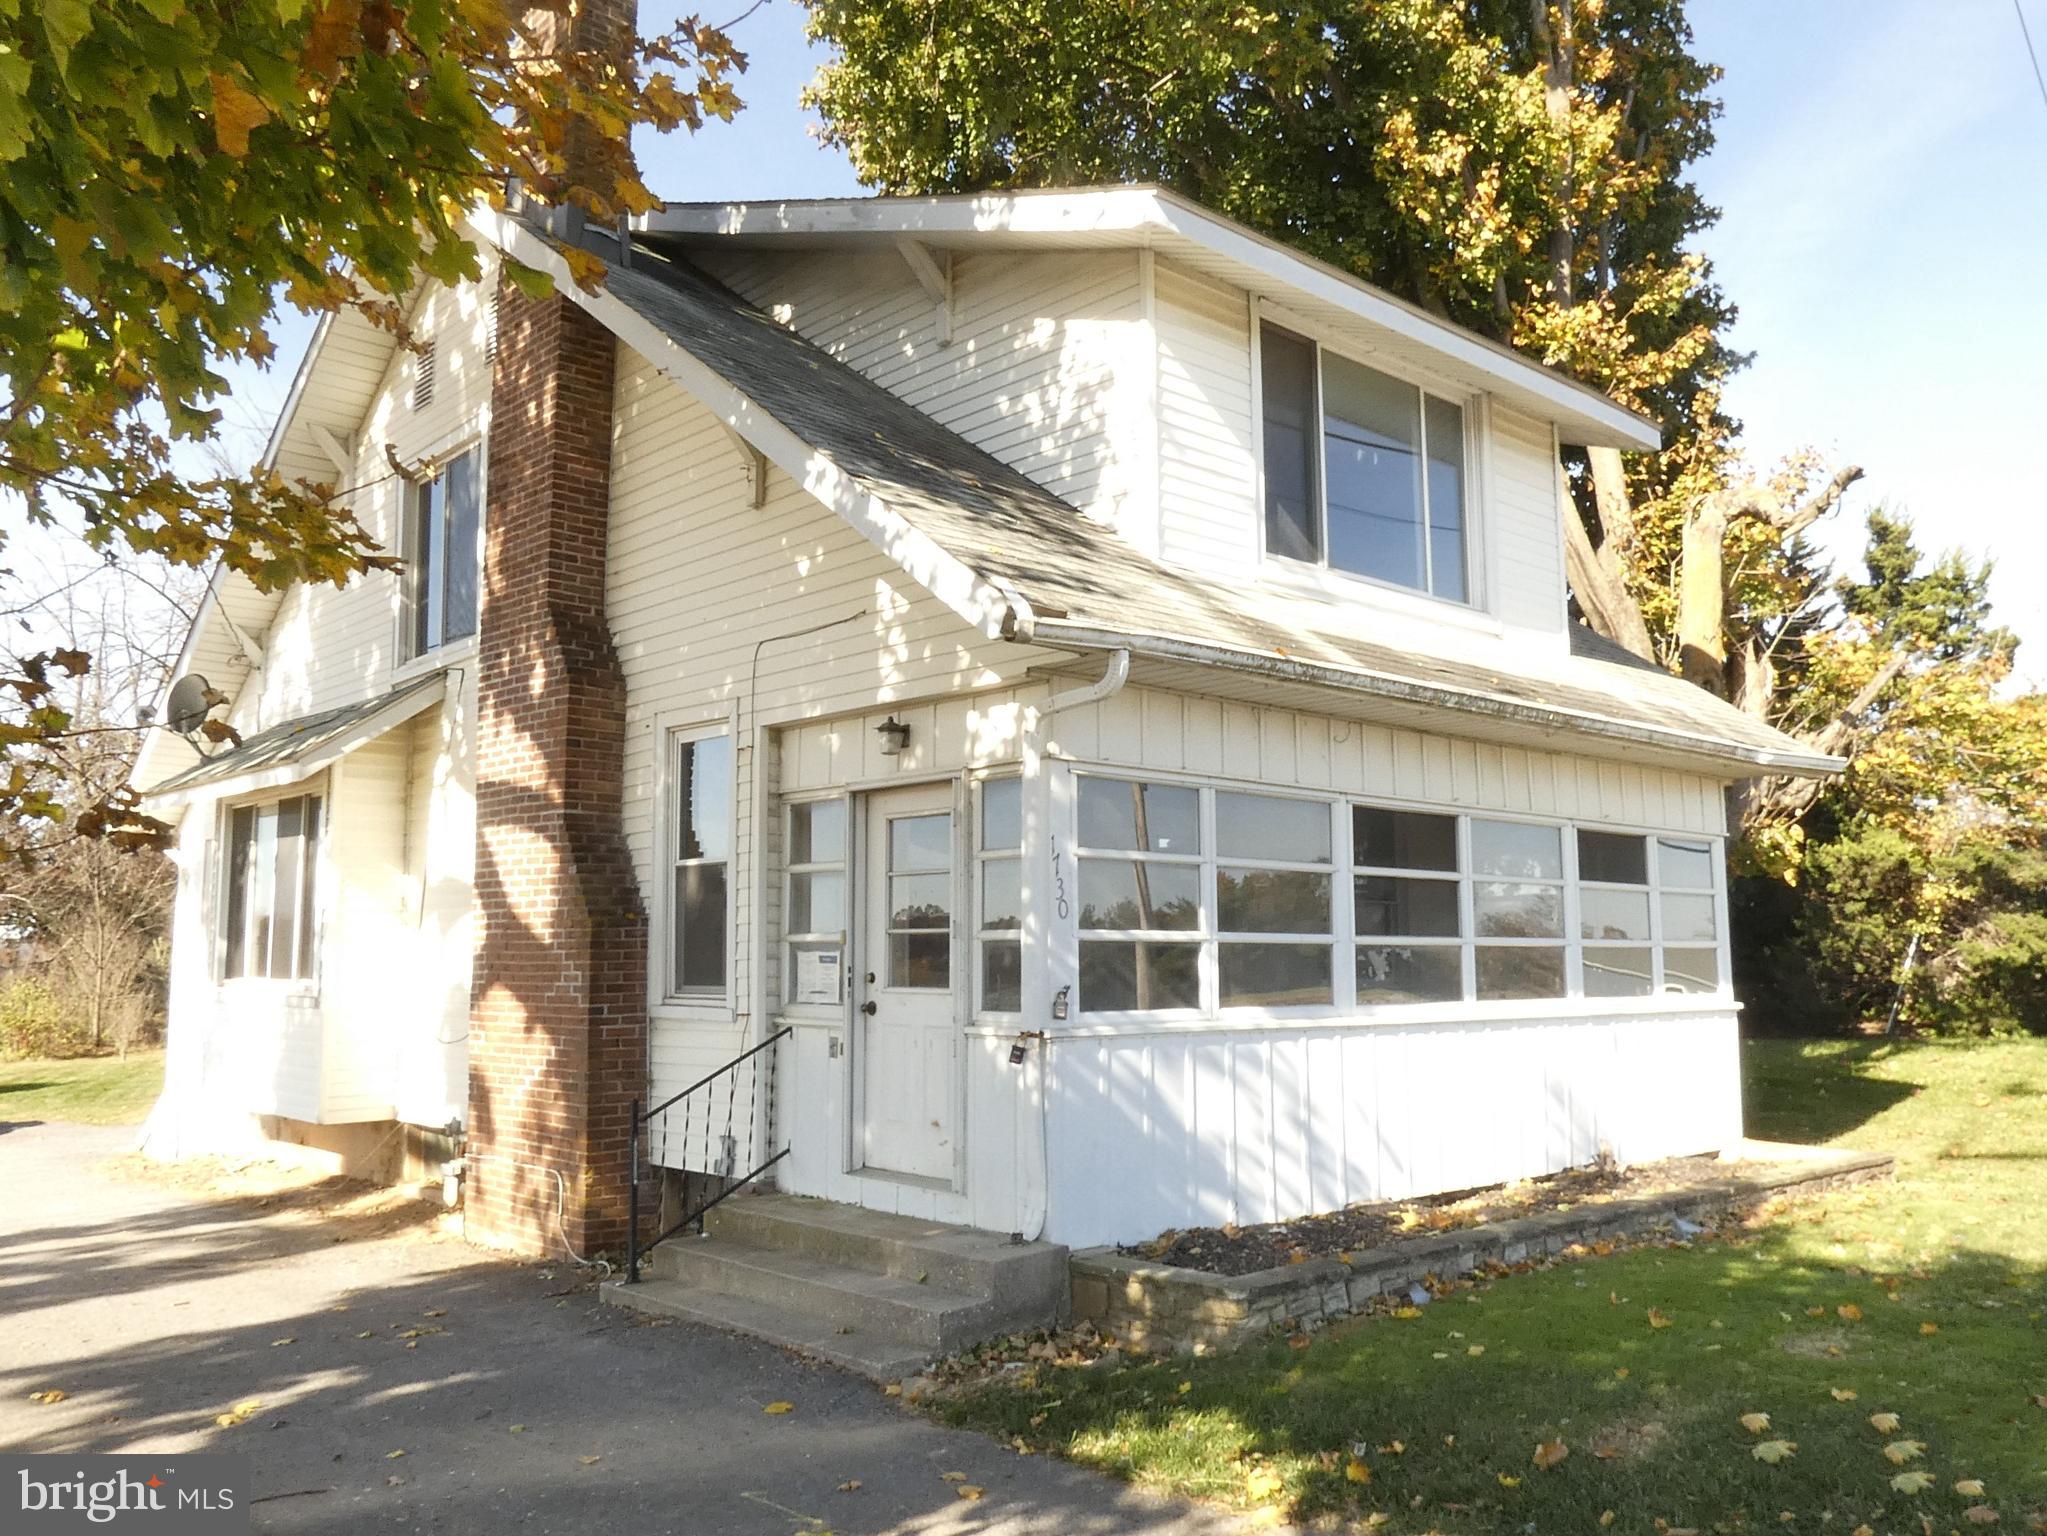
(1085, 690)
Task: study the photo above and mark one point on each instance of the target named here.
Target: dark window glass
(241, 840)
(1271, 901)
(1147, 818)
(1119, 977)
(1614, 858)
(1372, 449)
(1519, 971)
(1390, 907)
(700, 928)
(447, 512)
(1417, 973)
(920, 960)
(1287, 379)
(1505, 911)
(1275, 975)
(1403, 839)
(463, 516)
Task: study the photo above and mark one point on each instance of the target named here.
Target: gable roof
(1194, 237)
(1016, 561)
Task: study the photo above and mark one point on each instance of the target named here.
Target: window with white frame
(700, 853)
(998, 896)
(1274, 924)
(1688, 915)
(1517, 908)
(1408, 906)
(814, 902)
(270, 926)
(442, 555)
(1142, 916)
(1364, 473)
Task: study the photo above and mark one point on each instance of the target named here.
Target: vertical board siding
(1206, 1127)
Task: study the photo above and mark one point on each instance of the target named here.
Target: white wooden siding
(1208, 470)
(1250, 1126)
(1526, 522)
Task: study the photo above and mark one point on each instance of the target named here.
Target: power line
(2027, 33)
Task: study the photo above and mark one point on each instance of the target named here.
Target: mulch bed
(1234, 1250)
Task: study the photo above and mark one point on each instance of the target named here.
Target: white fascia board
(1143, 213)
(1749, 760)
(991, 608)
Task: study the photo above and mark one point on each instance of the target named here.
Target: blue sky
(1879, 170)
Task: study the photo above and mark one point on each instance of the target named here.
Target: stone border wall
(1161, 1307)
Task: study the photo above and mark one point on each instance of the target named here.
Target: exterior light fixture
(894, 736)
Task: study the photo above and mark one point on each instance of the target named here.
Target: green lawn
(89, 1090)
(1943, 1273)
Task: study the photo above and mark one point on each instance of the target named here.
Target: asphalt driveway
(405, 1381)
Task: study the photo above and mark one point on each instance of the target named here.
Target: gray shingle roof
(291, 741)
(1087, 588)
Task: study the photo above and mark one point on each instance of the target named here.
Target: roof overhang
(297, 750)
(1365, 316)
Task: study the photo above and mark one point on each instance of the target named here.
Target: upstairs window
(270, 924)
(441, 556)
(701, 854)
(1363, 473)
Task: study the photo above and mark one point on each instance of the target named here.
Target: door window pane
(1271, 901)
(1616, 971)
(1685, 866)
(1446, 498)
(1517, 850)
(1275, 975)
(920, 842)
(1118, 893)
(1118, 977)
(1616, 858)
(922, 961)
(1287, 381)
(1411, 973)
(1613, 914)
(1688, 919)
(920, 901)
(1506, 911)
(1001, 975)
(1691, 970)
(1372, 472)
(1389, 906)
(1519, 971)
(1001, 814)
(1403, 839)
(1268, 828)
(1148, 818)
(817, 832)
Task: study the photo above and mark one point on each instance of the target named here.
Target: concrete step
(873, 1355)
(1026, 1283)
(926, 1316)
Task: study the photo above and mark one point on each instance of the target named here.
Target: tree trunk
(1702, 598)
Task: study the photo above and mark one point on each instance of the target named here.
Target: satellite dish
(185, 710)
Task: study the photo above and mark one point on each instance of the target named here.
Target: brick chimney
(558, 1018)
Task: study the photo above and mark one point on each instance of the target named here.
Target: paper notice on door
(817, 975)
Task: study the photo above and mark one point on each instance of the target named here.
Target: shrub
(35, 1022)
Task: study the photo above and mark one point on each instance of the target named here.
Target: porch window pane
(1386, 839)
(700, 928)
(241, 840)
(1271, 830)
(1371, 427)
(1001, 814)
(1271, 901)
(817, 832)
(1691, 970)
(1118, 977)
(1275, 975)
(262, 891)
(1509, 911)
(1613, 858)
(1616, 971)
(920, 960)
(1287, 381)
(1410, 973)
(1001, 975)
(284, 901)
(1388, 906)
(1684, 866)
(1519, 971)
(1446, 497)
(817, 902)
(1613, 914)
(1688, 919)
(1145, 818)
(1139, 894)
(1002, 894)
(1517, 850)
(309, 926)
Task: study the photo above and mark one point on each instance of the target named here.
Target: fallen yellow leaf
(953, 1477)
(1770, 1452)
(1606, 1517)
(518, 1429)
(1755, 1423)
(779, 1408)
(850, 1485)
(893, 1389)
(393, 1455)
(1884, 1423)
(1929, 1329)
(280, 1343)
(1848, 1312)
(1912, 1482)
(969, 1491)
(48, 1395)
(1407, 1313)
(1549, 1453)
(1980, 1514)
(1863, 1530)
(1509, 1482)
(589, 1461)
(1262, 1485)
(1657, 1319)
(1356, 1471)
(1621, 1371)
(1898, 1452)
(1970, 1488)
(1844, 1394)
(1476, 1350)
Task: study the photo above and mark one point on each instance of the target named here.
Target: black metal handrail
(724, 1164)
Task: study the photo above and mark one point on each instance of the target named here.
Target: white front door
(909, 1037)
